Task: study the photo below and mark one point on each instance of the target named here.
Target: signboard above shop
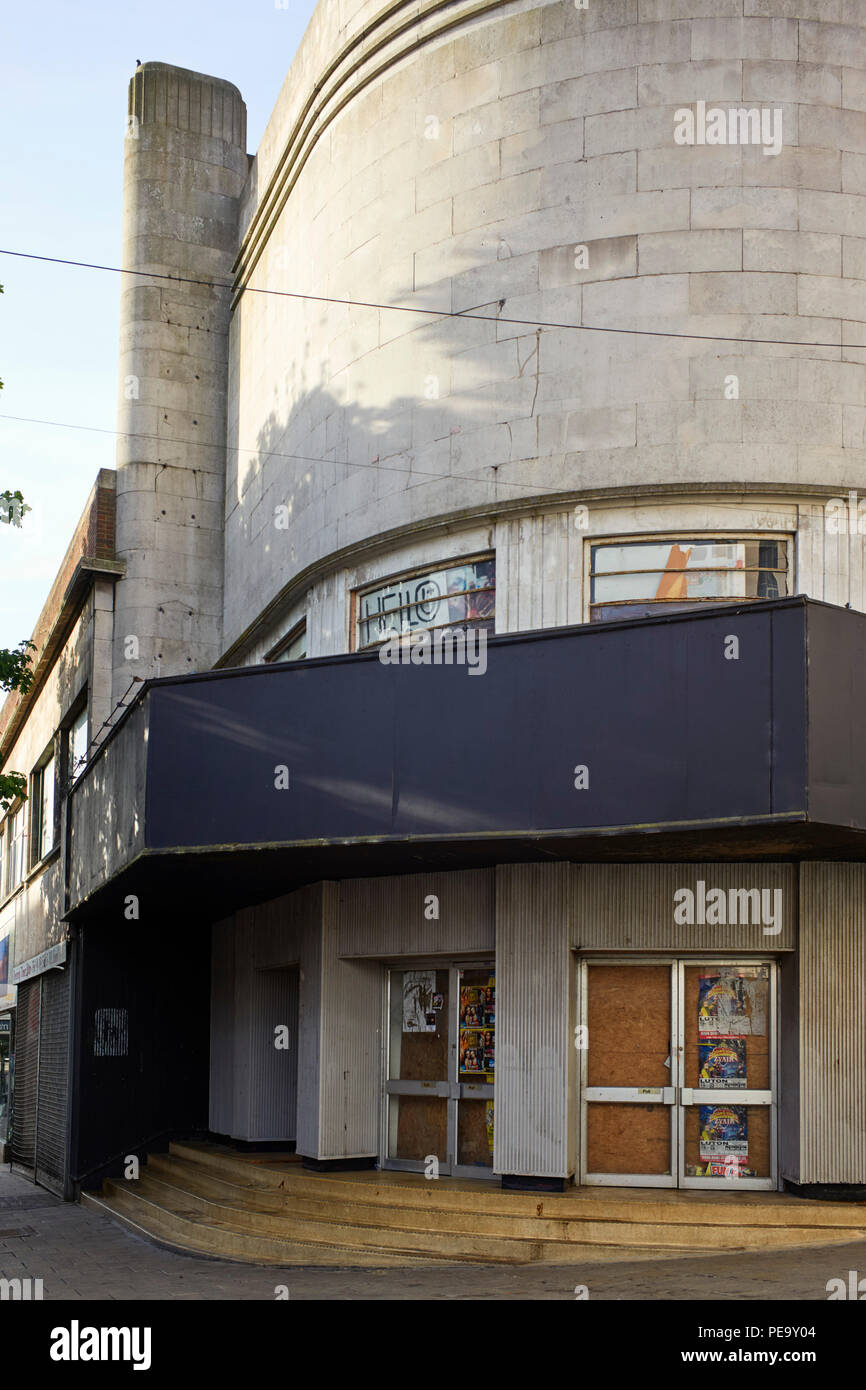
(51, 959)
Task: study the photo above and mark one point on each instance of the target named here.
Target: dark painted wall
(150, 977)
(670, 730)
(837, 715)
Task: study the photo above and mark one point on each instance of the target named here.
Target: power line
(434, 313)
(299, 458)
(84, 758)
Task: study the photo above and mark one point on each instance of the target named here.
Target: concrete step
(363, 1222)
(341, 1228)
(769, 1211)
(188, 1234)
(267, 1209)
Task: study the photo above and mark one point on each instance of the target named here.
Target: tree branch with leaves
(15, 664)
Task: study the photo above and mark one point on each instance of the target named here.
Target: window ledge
(9, 896)
(42, 864)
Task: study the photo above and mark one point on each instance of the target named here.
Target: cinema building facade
(591, 907)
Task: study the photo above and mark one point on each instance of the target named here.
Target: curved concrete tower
(532, 161)
(184, 168)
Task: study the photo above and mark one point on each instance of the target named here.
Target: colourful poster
(478, 1029)
(724, 1140)
(488, 1122)
(722, 1064)
(722, 1006)
(476, 1050)
(7, 989)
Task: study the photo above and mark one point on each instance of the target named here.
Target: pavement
(80, 1253)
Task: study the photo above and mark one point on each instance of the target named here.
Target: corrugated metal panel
(39, 1114)
(789, 1067)
(385, 917)
(242, 1013)
(309, 1027)
(24, 1081)
(631, 907)
(274, 1070)
(535, 1081)
(53, 1079)
(351, 1024)
(222, 1038)
(833, 1023)
(244, 1095)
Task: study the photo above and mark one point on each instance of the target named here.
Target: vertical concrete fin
(184, 168)
(535, 1117)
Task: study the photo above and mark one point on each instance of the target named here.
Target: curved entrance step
(267, 1209)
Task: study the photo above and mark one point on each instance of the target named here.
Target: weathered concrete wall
(466, 173)
(35, 906)
(106, 809)
(184, 166)
(542, 560)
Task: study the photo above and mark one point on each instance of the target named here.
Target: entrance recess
(678, 1075)
(439, 1088)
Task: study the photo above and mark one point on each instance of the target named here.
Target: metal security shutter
(53, 1074)
(39, 1119)
(23, 1145)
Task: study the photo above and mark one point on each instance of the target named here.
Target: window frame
(395, 576)
(79, 709)
(675, 537)
(275, 653)
(37, 806)
(11, 884)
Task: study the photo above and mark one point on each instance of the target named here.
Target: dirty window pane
(454, 596)
(641, 577)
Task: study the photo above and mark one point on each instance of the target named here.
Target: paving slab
(82, 1254)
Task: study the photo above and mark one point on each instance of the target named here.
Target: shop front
(5, 1075)
(679, 1072)
(639, 849)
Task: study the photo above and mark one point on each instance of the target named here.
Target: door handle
(686, 1095)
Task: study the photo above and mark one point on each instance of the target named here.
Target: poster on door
(722, 1064)
(731, 1004)
(724, 1140)
(478, 1029)
(419, 994)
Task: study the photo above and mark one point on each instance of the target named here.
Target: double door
(441, 1067)
(678, 1073)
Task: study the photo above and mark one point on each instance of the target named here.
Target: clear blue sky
(64, 70)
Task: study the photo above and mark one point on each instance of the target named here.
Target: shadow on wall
(333, 472)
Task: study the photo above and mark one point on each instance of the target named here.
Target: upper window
(293, 647)
(632, 579)
(16, 838)
(77, 744)
(459, 595)
(42, 801)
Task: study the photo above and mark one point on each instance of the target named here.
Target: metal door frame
(770, 1098)
(676, 1095)
(451, 1090)
(643, 1095)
